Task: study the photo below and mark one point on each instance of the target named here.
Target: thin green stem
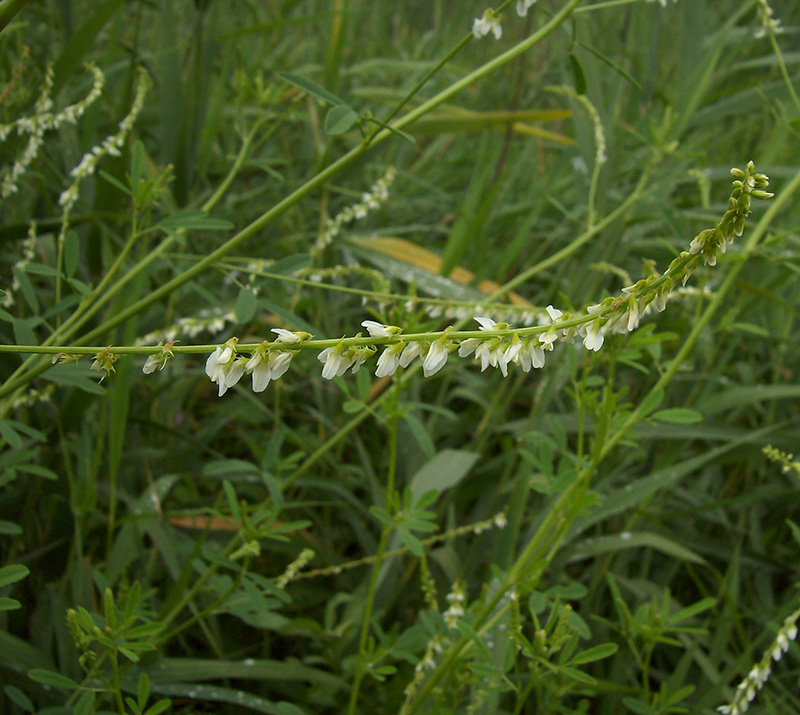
(391, 421)
(784, 73)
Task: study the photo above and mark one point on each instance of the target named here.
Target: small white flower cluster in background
(370, 200)
(295, 568)
(111, 145)
(594, 116)
(488, 22)
(456, 600)
(44, 120)
(760, 672)
(206, 322)
(769, 23)
(28, 255)
(783, 458)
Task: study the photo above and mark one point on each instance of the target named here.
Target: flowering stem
(544, 544)
(392, 413)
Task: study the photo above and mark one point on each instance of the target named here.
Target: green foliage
(615, 531)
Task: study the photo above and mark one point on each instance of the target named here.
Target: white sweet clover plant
(494, 344)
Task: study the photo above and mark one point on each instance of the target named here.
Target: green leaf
(311, 88)
(691, 611)
(80, 286)
(115, 182)
(233, 504)
(75, 375)
(627, 540)
(679, 416)
(245, 305)
(26, 287)
(382, 515)
(194, 219)
(40, 269)
(159, 707)
(576, 674)
(340, 119)
(577, 75)
(651, 402)
(16, 696)
(143, 691)
(412, 542)
(10, 528)
(445, 470)
(794, 527)
(85, 704)
(49, 677)
(597, 653)
(10, 435)
(12, 574)
(9, 604)
(72, 253)
(616, 67)
(638, 706)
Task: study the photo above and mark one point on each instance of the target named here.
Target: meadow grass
(604, 522)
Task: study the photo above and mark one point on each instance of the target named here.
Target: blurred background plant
(603, 535)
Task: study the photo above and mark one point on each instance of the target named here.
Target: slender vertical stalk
(391, 422)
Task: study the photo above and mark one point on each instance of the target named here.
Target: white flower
(223, 367)
(486, 24)
(594, 338)
(435, 358)
(412, 350)
(359, 355)
(548, 338)
(486, 355)
(468, 346)
(531, 355)
(258, 367)
(279, 363)
(487, 323)
(159, 360)
(554, 313)
(523, 5)
(153, 363)
(389, 360)
(289, 337)
(377, 330)
(336, 361)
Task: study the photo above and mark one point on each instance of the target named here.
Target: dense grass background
(142, 484)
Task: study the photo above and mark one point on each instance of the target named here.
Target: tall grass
(603, 522)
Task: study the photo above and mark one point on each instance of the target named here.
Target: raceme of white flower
(43, 120)
(591, 110)
(370, 200)
(523, 5)
(489, 22)
(28, 255)
(190, 327)
(111, 145)
(760, 672)
(494, 344)
(769, 23)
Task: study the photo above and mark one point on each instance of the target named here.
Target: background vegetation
(150, 530)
